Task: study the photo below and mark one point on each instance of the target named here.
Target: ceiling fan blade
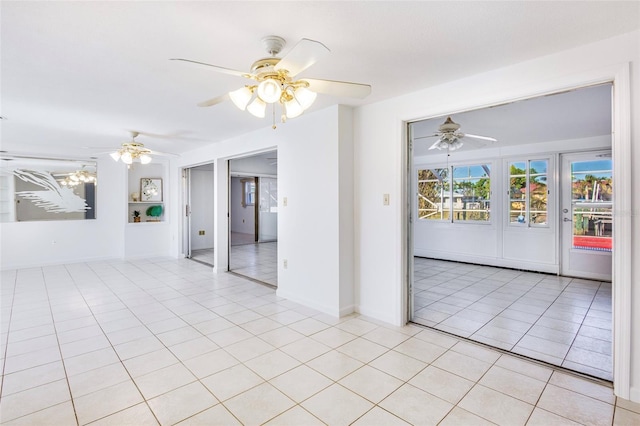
(215, 68)
(304, 54)
(435, 135)
(486, 138)
(214, 101)
(339, 88)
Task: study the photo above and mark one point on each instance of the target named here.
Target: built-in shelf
(156, 172)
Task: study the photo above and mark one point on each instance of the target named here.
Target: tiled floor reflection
(559, 320)
(163, 341)
(203, 255)
(258, 261)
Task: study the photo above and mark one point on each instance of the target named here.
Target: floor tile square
(106, 401)
(575, 406)
(231, 381)
(442, 384)
(495, 406)
(272, 364)
(336, 405)
(371, 383)
(398, 365)
(416, 406)
(182, 403)
(300, 383)
(259, 404)
(164, 380)
(462, 365)
(334, 365)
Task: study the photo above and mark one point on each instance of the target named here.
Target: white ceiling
(83, 74)
(576, 114)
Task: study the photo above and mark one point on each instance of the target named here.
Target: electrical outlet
(284, 201)
(285, 263)
(200, 232)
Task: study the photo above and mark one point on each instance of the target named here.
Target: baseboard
(308, 303)
(377, 315)
(490, 261)
(27, 265)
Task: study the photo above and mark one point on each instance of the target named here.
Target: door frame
(619, 75)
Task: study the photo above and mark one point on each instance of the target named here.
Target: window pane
(472, 193)
(538, 192)
(433, 194)
(517, 192)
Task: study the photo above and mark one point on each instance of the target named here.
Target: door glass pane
(591, 204)
(538, 192)
(268, 209)
(517, 192)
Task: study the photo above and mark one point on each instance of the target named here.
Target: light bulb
(293, 108)
(126, 158)
(269, 90)
(257, 108)
(145, 159)
(241, 97)
(305, 96)
(115, 155)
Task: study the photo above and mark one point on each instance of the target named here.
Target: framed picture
(151, 189)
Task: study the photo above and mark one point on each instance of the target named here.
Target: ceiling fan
(449, 136)
(134, 150)
(274, 80)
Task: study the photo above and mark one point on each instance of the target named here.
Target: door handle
(566, 219)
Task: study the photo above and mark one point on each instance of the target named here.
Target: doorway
(587, 215)
(253, 217)
(198, 184)
(490, 267)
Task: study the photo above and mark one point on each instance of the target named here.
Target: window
(528, 192)
(433, 194)
(248, 192)
(472, 193)
(467, 200)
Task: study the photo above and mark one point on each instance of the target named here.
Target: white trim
(622, 260)
(619, 74)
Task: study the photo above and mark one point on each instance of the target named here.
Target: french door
(587, 215)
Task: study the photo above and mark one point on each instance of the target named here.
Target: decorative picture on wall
(151, 189)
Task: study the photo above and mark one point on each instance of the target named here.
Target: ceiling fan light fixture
(115, 155)
(293, 108)
(269, 90)
(305, 97)
(145, 159)
(257, 108)
(126, 158)
(241, 97)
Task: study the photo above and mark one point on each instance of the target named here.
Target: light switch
(385, 199)
(284, 201)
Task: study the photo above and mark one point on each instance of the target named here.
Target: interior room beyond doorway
(253, 217)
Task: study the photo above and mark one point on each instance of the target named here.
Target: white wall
(314, 216)
(380, 167)
(243, 218)
(27, 244)
(201, 209)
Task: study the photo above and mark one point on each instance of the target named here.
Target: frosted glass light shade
(115, 155)
(292, 108)
(305, 96)
(126, 158)
(145, 159)
(269, 90)
(241, 97)
(257, 108)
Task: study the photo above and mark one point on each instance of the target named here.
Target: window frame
(448, 211)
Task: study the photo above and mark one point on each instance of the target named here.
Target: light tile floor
(163, 341)
(203, 255)
(560, 320)
(258, 261)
